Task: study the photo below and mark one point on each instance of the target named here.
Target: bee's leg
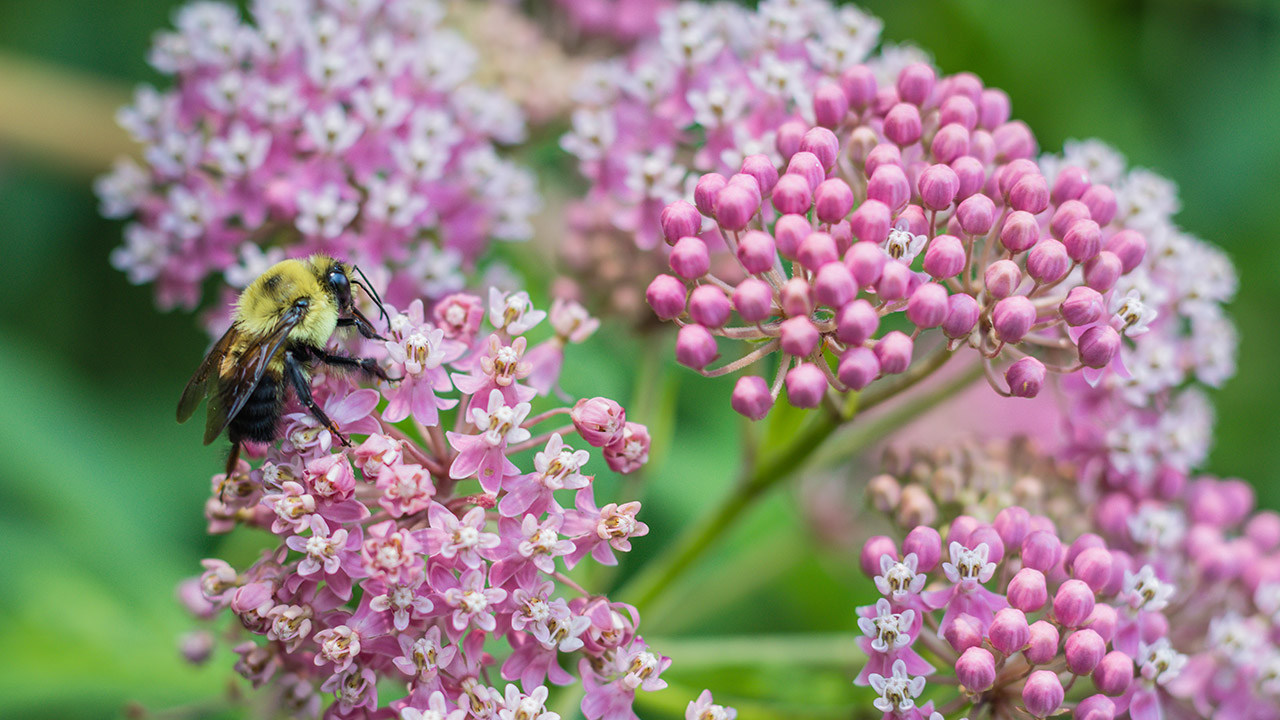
(233, 459)
(365, 365)
(361, 323)
(298, 379)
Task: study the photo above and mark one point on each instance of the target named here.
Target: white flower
(888, 630)
(514, 312)
(1131, 314)
(902, 245)
(899, 579)
(969, 566)
(898, 691)
(1159, 662)
(1144, 591)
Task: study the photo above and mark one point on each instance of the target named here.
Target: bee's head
(337, 279)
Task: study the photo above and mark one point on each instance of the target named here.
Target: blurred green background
(101, 493)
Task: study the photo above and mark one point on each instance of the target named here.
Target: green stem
(831, 650)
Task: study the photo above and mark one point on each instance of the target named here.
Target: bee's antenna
(368, 287)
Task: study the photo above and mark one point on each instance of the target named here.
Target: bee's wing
(236, 386)
(203, 381)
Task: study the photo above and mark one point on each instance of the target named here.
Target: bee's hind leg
(298, 379)
(233, 460)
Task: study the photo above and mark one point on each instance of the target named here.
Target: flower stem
(835, 649)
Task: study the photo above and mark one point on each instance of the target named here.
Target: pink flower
(464, 539)
(472, 602)
(485, 454)
(422, 658)
(392, 554)
(305, 435)
(704, 709)
(600, 531)
(557, 468)
(406, 489)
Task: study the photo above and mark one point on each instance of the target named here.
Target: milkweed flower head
(402, 558)
(354, 129)
(619, 21)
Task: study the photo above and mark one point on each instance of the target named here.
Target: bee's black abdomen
(260, 416)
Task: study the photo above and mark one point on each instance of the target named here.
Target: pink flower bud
(1084, 650)
(1263, 530)
(1129, 246)
(938, 187)
(950, 143)
(862, 142)
(790, 231)
(976, 670)
(1048, 262)
(1102, 271)
(705, 192)
(1103, 620)
(1002, 278)
(858, 367)
(796, 297)
(876, 547)
(976, 214)
(894, 352)
(1043, 694)
(962, 315)
(1073, 603)
(830, 106)
(689, 258)
(881, 155)
(1041, 550)
(902, 124)
(890, 186)
(666, 296)
(1093, 566)
(1070, 185)
(1101, 201)
(788, 138)
(1083, 240)
(1020, 232)
(915, 83)
(817, 250)
(960, 110)
(1012, 523)
(799, 336)
(807, 165)
(792, 195)
(248, 598)
(1013, 317)
(1027, 590)
(753, 299)
(927, 307)
(756, 252)
(1079, 545)
(865, 259)
(1030, 194)
(761, 168)
(960, 530)
(825, 147)
(856, 322)
(963, 634)
(600, 421)
(945, 257)
(834, 285)
(993, 108)
(1113, 673)
(1067, 214)
(680, 219)
(985, 534)
(695, 347)
(1095, 707)
(1010, 174)
(895, 281)
(859, 86)
(1043, 646)
(971, 173)
(1025, 377)
(751, 397)
(1083, 306)
(1098, 345)
(735, 206)
(833, 200)
(982, 147)
(870, 224)
(1014, 140)
(708, 306)
(1009, 631)
(926, 543)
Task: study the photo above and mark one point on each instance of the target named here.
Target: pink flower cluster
(621, 21)
(352, 129)
(398, 559)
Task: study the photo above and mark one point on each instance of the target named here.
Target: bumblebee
(282, 323)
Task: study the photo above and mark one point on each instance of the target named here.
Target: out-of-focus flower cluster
(1163, 607)
(352, 129)
(619, 21)
(393, 564)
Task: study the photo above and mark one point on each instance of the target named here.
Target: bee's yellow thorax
(268, 297)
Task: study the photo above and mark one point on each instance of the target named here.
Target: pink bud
(817, 250)
(1073, 603)
(1113, 673)
(250, 597)
(796, 297)
(881, 155)
(788, 138)
(1009, 632)
(964, 634)
(865, 259)
(876, 547)
(1070, 185)
(1080, 544)
(792, 195)
(985, 534)
(1083, 240)
(666, 296)
(1020, 232)
(895, 281)
(1041, 550)
(976, 214)
(689, 258)
(1093, 566)
(843, 235)
(1101, 202)
(1129, 246)
(1043, 694)
(902, 124)
(834, 285)
(1084, 650)
(856, 322)
(599, 420)
(680, 219)
(962, 315)
(858, 367)
(890, 186)
(790, 231)
(1083, 306)
(1025, 377)
(1010, 174)
(761, 168)
(1095, 707)
(1048, 262)
(1067, 214)
(982, 147)
(1102, 271)
(708, 306)
(695, 347)
(915, 83)
(927, 307)
(945, 257)
(705, 192)
(751, 397)
(1002, 278)
(1013, 317)
(894, 352)
(926, 543)
(1043, 646)
(830, 106)
(735, 206)
(1014, 140)
(1012, 523)
(753, 299)
(870, 224)
(859, 86)
(912, 217)
(1098, 345)
(950, 143)
(1027, 590)
(825, 147)
(971, 173)
(799, 336)
(938, 187)
(993, 109)
(807, 165)
(756, 252)
(960, 110)
(960, 530)
(1263, 530)
(976, 670)
(1103, 620)
(833, 200)
(1031, 194)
